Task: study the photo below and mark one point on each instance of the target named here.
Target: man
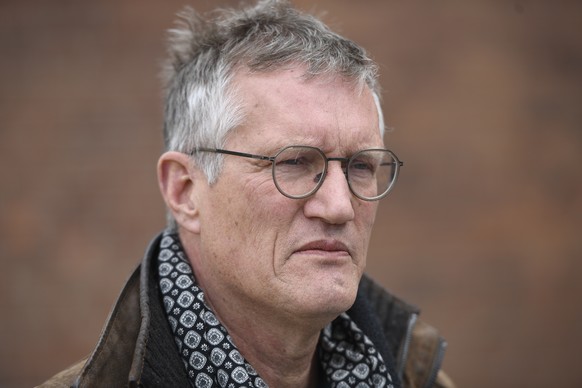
(275, 162)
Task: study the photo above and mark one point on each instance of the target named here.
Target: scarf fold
(347, 356)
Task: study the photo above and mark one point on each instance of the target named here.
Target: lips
(325, 246)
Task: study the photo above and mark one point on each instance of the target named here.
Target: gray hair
(202, 105)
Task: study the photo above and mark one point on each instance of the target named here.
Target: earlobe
(178, 183)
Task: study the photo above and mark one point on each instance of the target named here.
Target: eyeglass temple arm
(235, 153)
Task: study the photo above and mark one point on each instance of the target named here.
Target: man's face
(274, 255)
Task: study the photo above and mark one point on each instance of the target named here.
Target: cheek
(366, 214)
(262, 213)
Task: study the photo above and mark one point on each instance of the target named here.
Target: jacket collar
(156, 361)
(137, 337)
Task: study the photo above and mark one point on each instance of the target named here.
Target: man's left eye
(361, 165)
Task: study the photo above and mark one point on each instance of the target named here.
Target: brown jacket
(137, 349)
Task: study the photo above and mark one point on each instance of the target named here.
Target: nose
(332, 203)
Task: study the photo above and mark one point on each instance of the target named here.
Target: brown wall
(483, 230)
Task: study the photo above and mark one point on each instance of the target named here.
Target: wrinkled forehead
(300, 76)
(301, 73)
(307, 109)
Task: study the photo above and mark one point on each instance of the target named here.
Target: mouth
(327, 249)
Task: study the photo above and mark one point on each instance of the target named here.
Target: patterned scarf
(347, 356)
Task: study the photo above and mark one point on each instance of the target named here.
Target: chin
(321, 293)
(330, 300)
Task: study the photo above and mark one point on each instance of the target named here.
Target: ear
(178, 180)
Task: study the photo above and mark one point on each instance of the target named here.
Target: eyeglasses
(299, 171)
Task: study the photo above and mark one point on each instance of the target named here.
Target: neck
(283, 358)
(282, 353)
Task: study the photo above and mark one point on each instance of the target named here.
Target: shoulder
(426, 351)
(416, 347)
(65, 378)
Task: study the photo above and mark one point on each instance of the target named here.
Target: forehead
(283, 107)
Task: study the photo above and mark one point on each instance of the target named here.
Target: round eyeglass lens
(298, 170)
(371, 173)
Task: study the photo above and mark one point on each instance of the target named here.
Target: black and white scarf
(347, 356)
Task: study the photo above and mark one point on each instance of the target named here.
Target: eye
(363, 165)
(292, 162)
(297, 157)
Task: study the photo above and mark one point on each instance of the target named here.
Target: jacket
(137, 349)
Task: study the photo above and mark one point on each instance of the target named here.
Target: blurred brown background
(483, 231)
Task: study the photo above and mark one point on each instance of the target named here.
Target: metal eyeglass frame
(345, 162)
